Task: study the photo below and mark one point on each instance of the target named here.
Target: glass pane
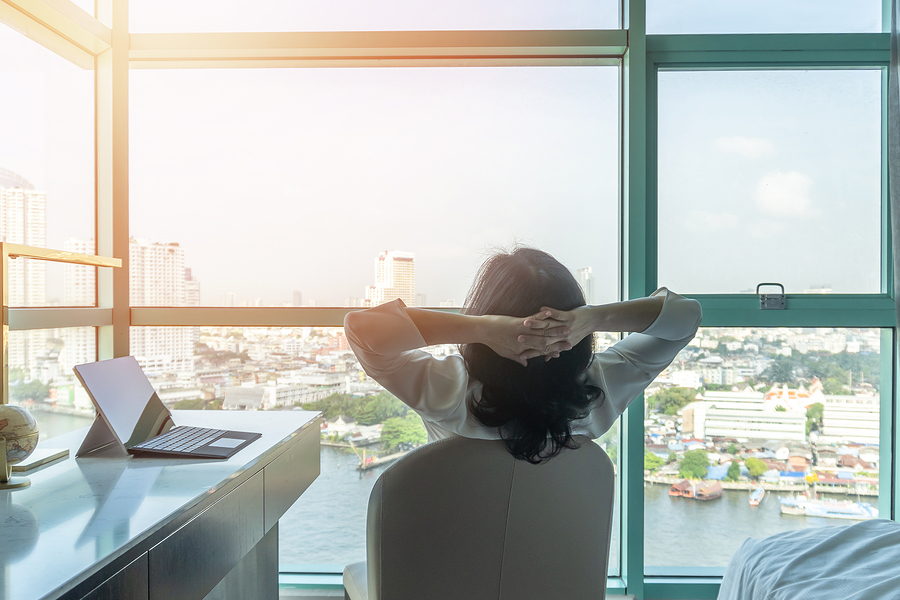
(85, 5)
(770, 176)
(764, 16)
(46, 161)
(320, 175)
(42, 283)
(310, 368)
(793, 412)
(41, 377)
(343, 15)
(610, 442)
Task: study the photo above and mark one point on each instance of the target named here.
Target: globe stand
(7, 482)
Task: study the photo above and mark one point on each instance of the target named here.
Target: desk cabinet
(166, 529)
(190, 563)
(131, 582)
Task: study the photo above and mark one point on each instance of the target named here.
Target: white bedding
(857, 562)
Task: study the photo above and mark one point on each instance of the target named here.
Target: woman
(526, 373)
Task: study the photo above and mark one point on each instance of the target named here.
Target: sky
(295, 179)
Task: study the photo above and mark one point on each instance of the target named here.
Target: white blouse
(387, 342)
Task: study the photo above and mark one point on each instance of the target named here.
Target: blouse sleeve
(629, 366)
(387, 344)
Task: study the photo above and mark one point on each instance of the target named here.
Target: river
(327, 524)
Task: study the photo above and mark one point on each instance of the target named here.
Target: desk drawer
(290, 474)
(128, 584)
(191, 561)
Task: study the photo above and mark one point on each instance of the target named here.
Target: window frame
(757, 52)
(102, 43)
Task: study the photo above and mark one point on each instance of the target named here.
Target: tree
(613, 453)
(671, 400)
(190, 404)
(22, 391)
(403, 430)
(693, 465)
(732, 449)
(611, 435)
(780, 371)
(672, 458)
(815, 414)
(652, 462)
(381, 408)
(338, 404)
(780, 408)
(717, 387)
(734, 471)
(198, 404)
(756, 467)
(833, 387)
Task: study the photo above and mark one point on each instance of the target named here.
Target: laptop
(131, 415)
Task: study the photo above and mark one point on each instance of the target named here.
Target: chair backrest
(461, 518)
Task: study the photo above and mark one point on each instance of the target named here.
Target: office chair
(462, 519)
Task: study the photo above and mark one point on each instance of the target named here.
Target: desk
(159, 529)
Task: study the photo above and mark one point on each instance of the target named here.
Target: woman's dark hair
(532, 406)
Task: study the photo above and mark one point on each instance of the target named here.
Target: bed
(854, 562)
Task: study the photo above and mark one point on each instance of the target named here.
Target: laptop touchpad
(227, 442)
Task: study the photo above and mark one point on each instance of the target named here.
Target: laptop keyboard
(181, 439)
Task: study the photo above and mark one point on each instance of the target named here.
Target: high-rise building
(297, 299)
(395, 277)
(23, 220)
(79, 343)
(586, 281)
(191, 289)
(158, 278)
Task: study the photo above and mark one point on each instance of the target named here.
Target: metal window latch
(771, 301)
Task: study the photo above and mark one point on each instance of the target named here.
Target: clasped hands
(546, 333)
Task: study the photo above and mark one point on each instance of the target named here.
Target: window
(46, 165)
(779, 171)
(41, 377)
(764, 16)
(313, 368)
(440, 164)
(398, 15)
(795, 412)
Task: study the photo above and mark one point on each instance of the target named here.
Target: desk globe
(18, 439)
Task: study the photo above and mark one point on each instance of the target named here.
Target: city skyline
(23, 214)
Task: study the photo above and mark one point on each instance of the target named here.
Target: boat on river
(829, 509)
(709, 491)
(757, 495)
(705, 490)
(682, 488)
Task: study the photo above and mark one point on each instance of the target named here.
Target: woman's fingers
(544, 344)
(546, 319)
(524, 357)
(559, 332)
(558, 315)
(543, 315)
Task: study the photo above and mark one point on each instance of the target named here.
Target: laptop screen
(125, 398)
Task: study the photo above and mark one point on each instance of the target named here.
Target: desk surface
(81, 514)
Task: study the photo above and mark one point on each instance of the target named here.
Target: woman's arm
(545, 334)
(384, 332)
(574, 325)
(507, 336)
